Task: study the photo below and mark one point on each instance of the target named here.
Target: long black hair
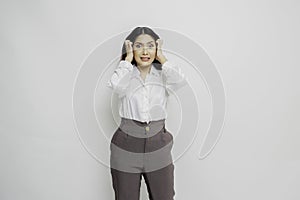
(132, 37)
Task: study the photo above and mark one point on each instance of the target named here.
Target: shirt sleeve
(174, 77)
(119, 80)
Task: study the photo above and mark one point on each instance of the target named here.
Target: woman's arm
(174, 77)
(119, 81)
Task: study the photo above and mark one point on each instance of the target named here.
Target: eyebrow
(142, 43)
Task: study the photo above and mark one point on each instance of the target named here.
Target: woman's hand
(159, 55)
(129, 51)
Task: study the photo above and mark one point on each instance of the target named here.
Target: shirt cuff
(126, 64)
(166, 65)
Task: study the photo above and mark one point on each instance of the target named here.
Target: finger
(126, 44)
(158, 43)
(130, 46)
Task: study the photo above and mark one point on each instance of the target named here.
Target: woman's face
(144, 50)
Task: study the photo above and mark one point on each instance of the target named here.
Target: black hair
(132, 37)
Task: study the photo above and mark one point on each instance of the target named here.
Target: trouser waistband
(141, 129)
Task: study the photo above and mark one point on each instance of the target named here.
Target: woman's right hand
(129, 51)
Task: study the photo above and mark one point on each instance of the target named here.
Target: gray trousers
(141, 150)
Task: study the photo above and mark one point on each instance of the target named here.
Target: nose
(145, 51)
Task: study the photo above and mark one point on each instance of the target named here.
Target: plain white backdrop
(254, 44)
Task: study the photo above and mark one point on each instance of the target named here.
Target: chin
(145, 63)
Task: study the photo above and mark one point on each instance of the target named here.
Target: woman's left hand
(159, 55)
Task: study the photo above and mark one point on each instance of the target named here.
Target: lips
(145, 59)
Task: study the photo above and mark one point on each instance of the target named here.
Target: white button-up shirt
(145, 100)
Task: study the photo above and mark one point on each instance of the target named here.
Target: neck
(144, 70)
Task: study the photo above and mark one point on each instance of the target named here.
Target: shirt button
(147, 128)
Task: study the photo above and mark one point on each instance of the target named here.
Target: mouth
(145, 59)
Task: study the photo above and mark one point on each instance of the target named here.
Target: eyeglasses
(138, 46)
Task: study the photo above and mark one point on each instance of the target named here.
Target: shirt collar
(153, 71)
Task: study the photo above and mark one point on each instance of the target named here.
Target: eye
(151, 45)
(137, 45)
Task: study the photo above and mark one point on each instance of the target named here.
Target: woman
(141, 146)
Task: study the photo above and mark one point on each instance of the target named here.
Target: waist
(142, 129)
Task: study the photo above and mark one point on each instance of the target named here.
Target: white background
(254, 45)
